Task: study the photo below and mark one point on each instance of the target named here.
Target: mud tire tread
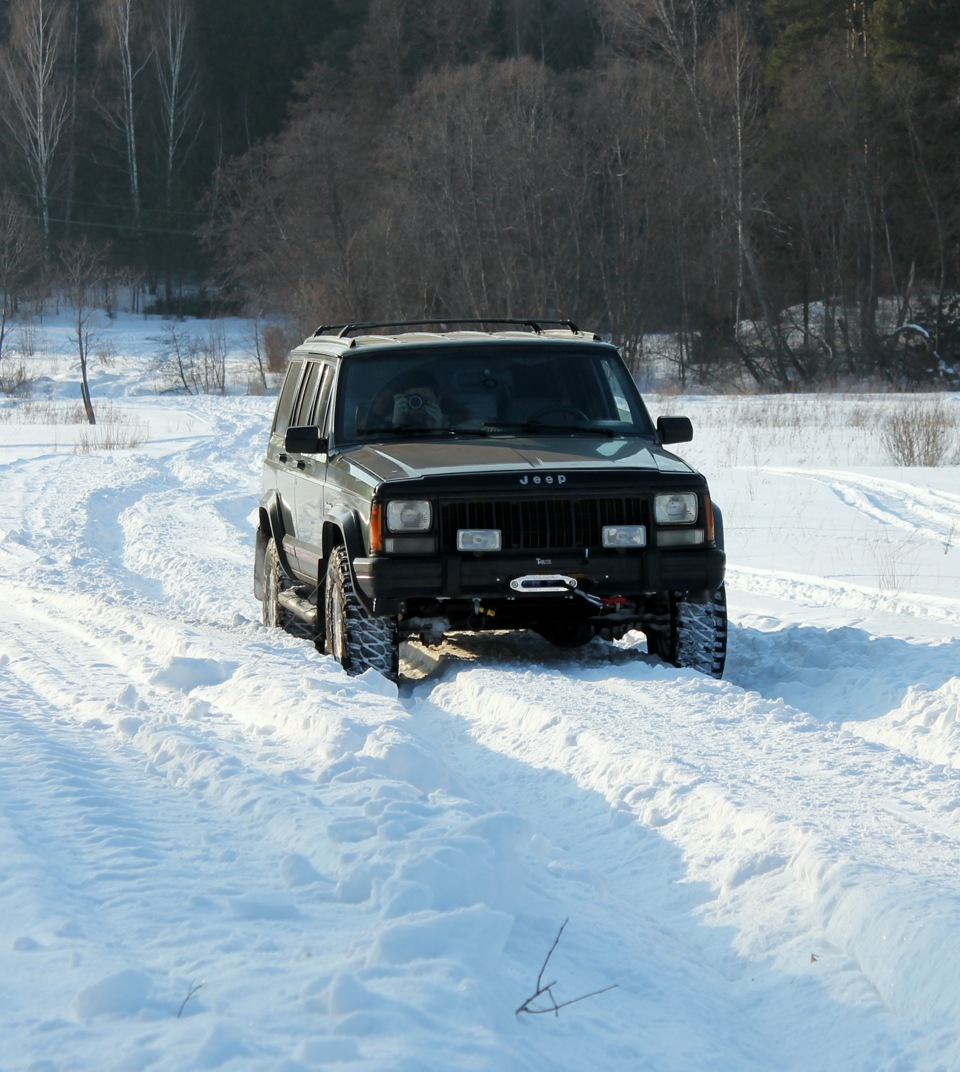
(365, 642)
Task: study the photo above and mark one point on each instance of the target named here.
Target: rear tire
(274, 580)
(357, 640)
(696, 637)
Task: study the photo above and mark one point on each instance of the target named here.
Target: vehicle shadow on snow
(419, 662)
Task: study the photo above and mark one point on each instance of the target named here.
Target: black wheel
(356, 639)
(696, 636)
(274, 581)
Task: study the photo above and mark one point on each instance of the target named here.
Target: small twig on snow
(547, 988)
(194, 987)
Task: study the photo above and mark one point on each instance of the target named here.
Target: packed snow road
(220, 851)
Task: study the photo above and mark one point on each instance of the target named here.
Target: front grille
(541, 524)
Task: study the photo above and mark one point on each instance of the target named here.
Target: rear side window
(307, 396)
(281, 418)
(322, 396)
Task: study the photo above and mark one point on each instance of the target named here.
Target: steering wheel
(567, 411)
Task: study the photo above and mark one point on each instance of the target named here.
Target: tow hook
(599, 601)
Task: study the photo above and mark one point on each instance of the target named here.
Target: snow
(220, 851)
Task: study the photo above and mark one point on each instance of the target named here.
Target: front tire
(696, 635)
(357, 640)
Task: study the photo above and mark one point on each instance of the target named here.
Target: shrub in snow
(920, 433)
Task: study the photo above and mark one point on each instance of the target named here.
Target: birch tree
(176, 110)
(121, 25)
(37, 96)
(178, 83)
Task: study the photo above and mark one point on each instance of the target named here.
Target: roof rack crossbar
(343, 330)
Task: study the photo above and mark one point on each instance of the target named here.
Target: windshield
(487, 391)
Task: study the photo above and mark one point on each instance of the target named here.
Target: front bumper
(386, 585)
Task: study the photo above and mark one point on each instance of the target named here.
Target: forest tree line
(775, 182)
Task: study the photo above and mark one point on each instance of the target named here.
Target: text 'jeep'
(431, 480)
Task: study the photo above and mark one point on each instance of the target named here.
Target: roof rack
(537, 326)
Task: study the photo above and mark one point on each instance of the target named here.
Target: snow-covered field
(219, 851)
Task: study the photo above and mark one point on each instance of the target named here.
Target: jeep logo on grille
(558, 479)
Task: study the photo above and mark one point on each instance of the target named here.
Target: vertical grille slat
(541, 524)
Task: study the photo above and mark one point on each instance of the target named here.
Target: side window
(306, 399)
(323, 393)
(281, 419)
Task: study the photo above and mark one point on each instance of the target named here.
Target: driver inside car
(415, 405)
(418, 407)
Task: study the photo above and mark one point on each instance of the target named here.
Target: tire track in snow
(812, 591)
(210, 487)
(811, 823)
(377, 833)
(85, 812)
(122, 521)
(141, 798)
(929, 513)
(895, 525)
(147, 877)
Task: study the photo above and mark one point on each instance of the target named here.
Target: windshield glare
(487, 392)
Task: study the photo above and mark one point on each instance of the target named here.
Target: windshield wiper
(406, 429)
(544, 426)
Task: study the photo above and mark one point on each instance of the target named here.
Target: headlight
(624, 536)
(679, 508)
(478, 539)
(413, 515)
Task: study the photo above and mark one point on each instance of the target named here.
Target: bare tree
(178, 83)
(19, 256)
(488, 191)
(82, 273)
(120, 22)
(179, 118)
(177, 359)
(717, 77)
(31, 66)
(72, 126)
(626, 129)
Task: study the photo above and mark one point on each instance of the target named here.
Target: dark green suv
(420, 480)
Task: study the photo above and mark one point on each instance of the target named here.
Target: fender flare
(342, 526)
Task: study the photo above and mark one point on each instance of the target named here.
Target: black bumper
(386, 584)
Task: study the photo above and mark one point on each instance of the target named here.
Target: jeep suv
(426, 479)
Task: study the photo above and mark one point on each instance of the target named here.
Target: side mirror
(304, 440)
(674, 430)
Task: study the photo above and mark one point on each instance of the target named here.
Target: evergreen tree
(920, 32)
(254, 52)
(801, 27)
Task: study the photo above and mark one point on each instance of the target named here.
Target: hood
(416, 458)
